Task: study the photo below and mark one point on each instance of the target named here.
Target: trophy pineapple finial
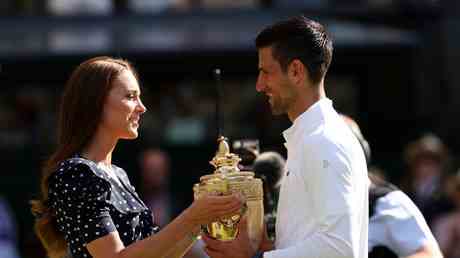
(224, 161)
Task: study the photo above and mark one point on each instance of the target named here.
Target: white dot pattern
(89, 204)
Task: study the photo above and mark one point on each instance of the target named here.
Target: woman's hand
(210, 208)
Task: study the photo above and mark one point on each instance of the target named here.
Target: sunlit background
(395, 70)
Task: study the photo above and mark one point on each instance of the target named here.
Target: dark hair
(81, 108)
(248, 150)
(299, 38)
(270, 165)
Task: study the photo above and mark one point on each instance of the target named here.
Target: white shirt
(323, 205)
(399, 225)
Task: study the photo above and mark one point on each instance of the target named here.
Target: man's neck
(305, 100)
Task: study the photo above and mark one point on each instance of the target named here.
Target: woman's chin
(132, 134)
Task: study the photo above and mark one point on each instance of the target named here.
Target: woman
(88, 207)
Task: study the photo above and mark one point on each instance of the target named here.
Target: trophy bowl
(228, 179)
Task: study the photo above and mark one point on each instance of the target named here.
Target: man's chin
(277, 112)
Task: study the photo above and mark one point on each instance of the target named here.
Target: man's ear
(297, 72)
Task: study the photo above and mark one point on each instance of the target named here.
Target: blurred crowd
(184, 114)
(431, 180)
(179, 113)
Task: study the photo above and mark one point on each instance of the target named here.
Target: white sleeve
(405, 227)
(323, 244)
(334, 191)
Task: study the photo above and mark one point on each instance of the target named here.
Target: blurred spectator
(156, 193)
(427, 160)
(270, 166)
(397, 228)
(26, 118)
(8, 229)
(447, 227)
(155, 174)
(34, 115)
(79, 7)
(247, 150)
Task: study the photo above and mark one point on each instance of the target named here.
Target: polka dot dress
(89, 204)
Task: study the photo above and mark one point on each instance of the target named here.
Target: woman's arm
(202, 211)
(184, 245)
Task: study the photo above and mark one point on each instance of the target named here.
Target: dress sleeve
(80, 201)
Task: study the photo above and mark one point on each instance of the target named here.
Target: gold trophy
(228, 179)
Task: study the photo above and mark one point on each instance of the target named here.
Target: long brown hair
(80, 113)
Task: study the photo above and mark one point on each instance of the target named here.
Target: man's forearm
(318, 245)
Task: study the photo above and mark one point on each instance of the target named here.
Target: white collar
(309, 119)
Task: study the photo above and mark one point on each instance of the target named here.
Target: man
(428, 161)
(397, 228)
(323, 205)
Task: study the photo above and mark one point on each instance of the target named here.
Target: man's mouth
(134, 120)
(269, 97)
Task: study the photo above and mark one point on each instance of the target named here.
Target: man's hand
(238, 248)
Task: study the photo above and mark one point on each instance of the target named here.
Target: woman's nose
(141, 107)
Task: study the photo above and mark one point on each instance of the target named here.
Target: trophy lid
(228, 179)
(224, 158)
(225, 164)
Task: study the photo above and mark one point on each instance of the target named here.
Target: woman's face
(123, 108)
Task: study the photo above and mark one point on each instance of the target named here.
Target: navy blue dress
(89, 204)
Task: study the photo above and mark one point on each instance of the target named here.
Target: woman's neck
(100, 149)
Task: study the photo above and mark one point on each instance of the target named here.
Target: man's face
(274, 83)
